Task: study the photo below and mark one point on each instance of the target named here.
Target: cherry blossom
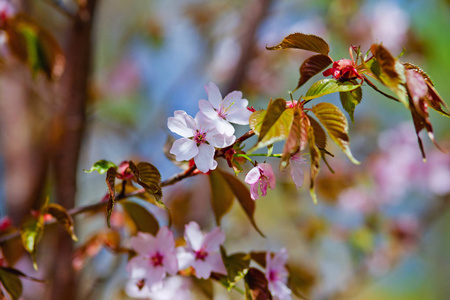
(232, 109)
(156, 256)
(176, 287)
(261, 175)
(202, 251)
(200, 136)
(296, 162)
(277, 275)
(343, 70)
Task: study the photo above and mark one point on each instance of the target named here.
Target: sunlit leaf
(63, 218)
(327, 86)
(221, 195)
(242, 194)
(31, 232)
(256, 285)
(101, 166)
(303, 41)
(256, 120)
(320, 137)
(297, 137)
(312, 66)
(349, 101)
(409, 66)
(314, 154)
(148, 176)
(110, 182)
(35, 46)
(237, 265)
(336, 125)
(11, 283)
(276, 124)
(141, 216)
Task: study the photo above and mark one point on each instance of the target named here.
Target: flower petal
(219, 140)
(143, 243)
(207, 109)
(213, 240)
(229, 102)
(214, 95)
(170, 262)
(133, 291)
(184, 149)
(216, 263)
(268, 172)
(138, 267)
(202, 269)
(253, 176)
(155, 277)
(165, 241)
(240, 116)
(193, 235)
(182, 124)
(254, 191)
(185, 258)
(224, 127)
(297, 175)
(205, 158)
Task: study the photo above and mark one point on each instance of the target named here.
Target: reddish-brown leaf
(409, 66)
(221, 195)
(62, 216)
(303, 41)
(297, 137)
(256, 285)
(315, 161)
(435, 101)
(148, 176)
(312, 66)
(385, 60)
(110, 182)
(319, 134)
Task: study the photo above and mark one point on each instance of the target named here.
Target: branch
(370, 83)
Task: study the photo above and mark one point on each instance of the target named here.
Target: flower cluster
(343, 70)
(157, 256)
(209, 129)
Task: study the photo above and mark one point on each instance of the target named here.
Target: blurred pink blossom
(261, 175)
(296, 162)
(176, 287)
(277, 275)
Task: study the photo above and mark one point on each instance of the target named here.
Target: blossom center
(273, 275)
(201, 254)
(200, 137)
(224, 111)
(157, 259)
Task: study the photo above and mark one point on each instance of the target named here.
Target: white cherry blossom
(232, 109)
(200, 137)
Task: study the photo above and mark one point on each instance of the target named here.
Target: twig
(378, 90)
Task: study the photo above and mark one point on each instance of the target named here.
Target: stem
(378, 90)
(266, 155)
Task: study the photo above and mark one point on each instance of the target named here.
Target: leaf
(11, 283)
(301, 280)
(63, 218)
(141, 216)
(349, 101)
(20, 274)
(142, 194)
(386, 62)
(409, 66)
(336, 125)
(31, 232)
(110, 182)
(148, 176)
(276, 124)
(256, 120)
(205, 287)
(320, 137)
(256, 285)
(297, 136)
(12, 249)
(35, 46)
(259, 258)
(242, 194)
(303, 41)
(417, 90)
(237, 265)
(327, 86)
(312, 66)
(435, 101)
(221, 195)
(101, 166)
(314, 154)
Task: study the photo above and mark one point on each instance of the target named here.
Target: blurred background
(379, 230)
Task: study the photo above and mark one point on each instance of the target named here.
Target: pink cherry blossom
(176, 287)
(296, 162)
(200, 136)
(277, 275)
(202, 251)
(156, 256)
(232, 109)
(261, 175)
(343, 70)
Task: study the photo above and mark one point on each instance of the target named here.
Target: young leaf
(327, 86)
(259, 258)
(142, 218)
(256, 120)
(237, 265)
(276, 124)
(31, 232)
(315, 162)
(110, 181)
(386, 62)
(349, 101)
(221, 195)
(256, 285)
(409, 66)
(312, 66)
(319, 134)
(297, 136)
(336, 125)
(101, 166)
(303, 41)
(148, 176)
(11, 283)
(34, 46)
(63, 218)
(435, 101)
(242, 194)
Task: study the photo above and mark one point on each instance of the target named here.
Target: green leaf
(141, 216)
(237, 265)
(276, 124)
(11, 283)
(327, 86)
(303, 41)
(336, 125)
(297, 136)
(242, 194)
(31, 232)
(110, 182)
(256, 285)
(312, 66)
(34, 46)
(256, 120)
(314, 155)
(349, 101)
(148, 176)
(63, 218)
(221, 195)
(101, 166)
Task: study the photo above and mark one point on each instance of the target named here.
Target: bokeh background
(379, 230)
